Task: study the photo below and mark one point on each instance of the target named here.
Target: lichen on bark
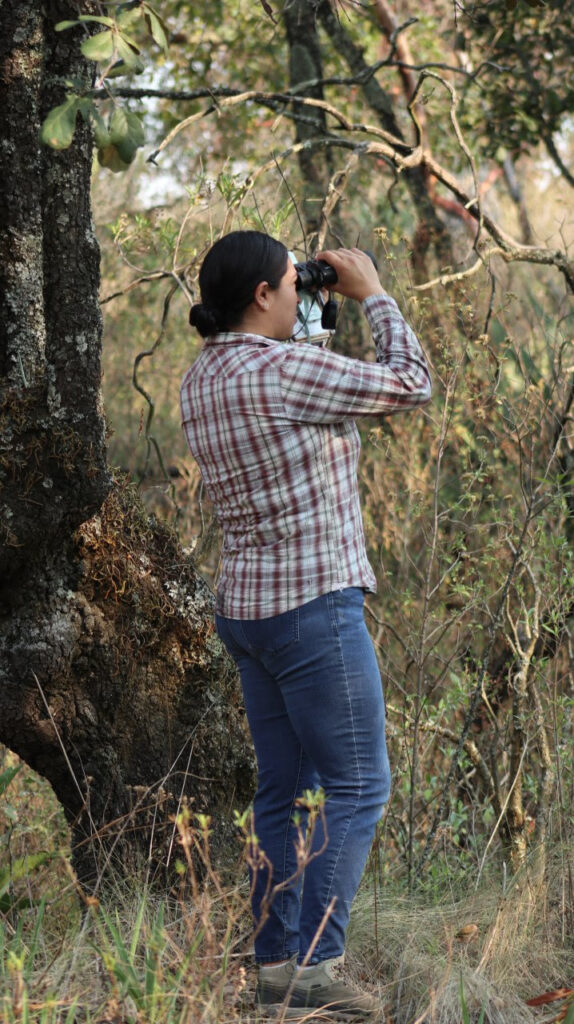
(113, 684)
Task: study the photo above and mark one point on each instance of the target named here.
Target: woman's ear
(261, 295)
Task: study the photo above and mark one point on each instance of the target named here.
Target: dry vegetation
(444, 927)
(138, 958)
(466, 913)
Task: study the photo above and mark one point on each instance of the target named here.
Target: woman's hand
(357, 276)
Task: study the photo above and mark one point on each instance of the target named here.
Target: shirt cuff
(381, 300)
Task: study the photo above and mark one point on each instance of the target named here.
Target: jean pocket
(271, 635)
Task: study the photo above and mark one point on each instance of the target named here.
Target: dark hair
(229, 275)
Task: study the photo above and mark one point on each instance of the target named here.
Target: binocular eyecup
(314, 275)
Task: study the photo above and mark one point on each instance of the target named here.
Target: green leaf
(99, 127)
(129, 40)
(101, 19)
(126, 151)
(19, 868)
(65, 24)
(94, 119)
(156, 27)
(109, 157)
(7, 776)
(129, 18)
(121, 68)
(60, 124)
(136, 129)
(126, 129)
(99, 47)
(128, 51)
(83, 18)
(101, 135)
(120, 142)
(119, 125)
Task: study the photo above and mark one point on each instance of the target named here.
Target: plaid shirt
(271, 426)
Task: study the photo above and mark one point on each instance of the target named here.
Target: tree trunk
(305, 66)
(112, 683)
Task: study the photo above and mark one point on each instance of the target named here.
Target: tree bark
(112, 683)
(52, 428)
(305, 67)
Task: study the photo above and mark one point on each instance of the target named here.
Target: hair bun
(204, 319)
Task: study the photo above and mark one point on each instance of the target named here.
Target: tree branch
(507, 247)
(392, 148)
(400, 46)
(551, 147)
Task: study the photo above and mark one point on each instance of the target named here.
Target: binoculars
(316, 274)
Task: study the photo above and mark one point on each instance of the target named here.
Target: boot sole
(314, 1014)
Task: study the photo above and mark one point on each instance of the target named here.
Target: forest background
(438, 135)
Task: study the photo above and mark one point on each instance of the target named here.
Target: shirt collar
(239, 337)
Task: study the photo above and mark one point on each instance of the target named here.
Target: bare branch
(382, 144)
(460, 275)
(509, 248)
(459, 136)
(151, 441)
(335, 190)
(400, 46)
(551, 147)
(160, 275)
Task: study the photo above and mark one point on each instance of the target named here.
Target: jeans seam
(357, 803)
(293, 798)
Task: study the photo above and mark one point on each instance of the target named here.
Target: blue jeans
(315, 707)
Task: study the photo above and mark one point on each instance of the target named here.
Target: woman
(272, 428)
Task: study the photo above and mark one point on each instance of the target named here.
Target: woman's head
(229, 278)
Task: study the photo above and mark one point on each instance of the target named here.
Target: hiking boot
(273, 982)
(321, 986)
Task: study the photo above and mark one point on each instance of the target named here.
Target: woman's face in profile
(282, 311)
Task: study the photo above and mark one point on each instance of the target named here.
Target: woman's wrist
(371, 293)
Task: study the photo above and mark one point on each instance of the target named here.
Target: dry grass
(138, 958)
(498, 950)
